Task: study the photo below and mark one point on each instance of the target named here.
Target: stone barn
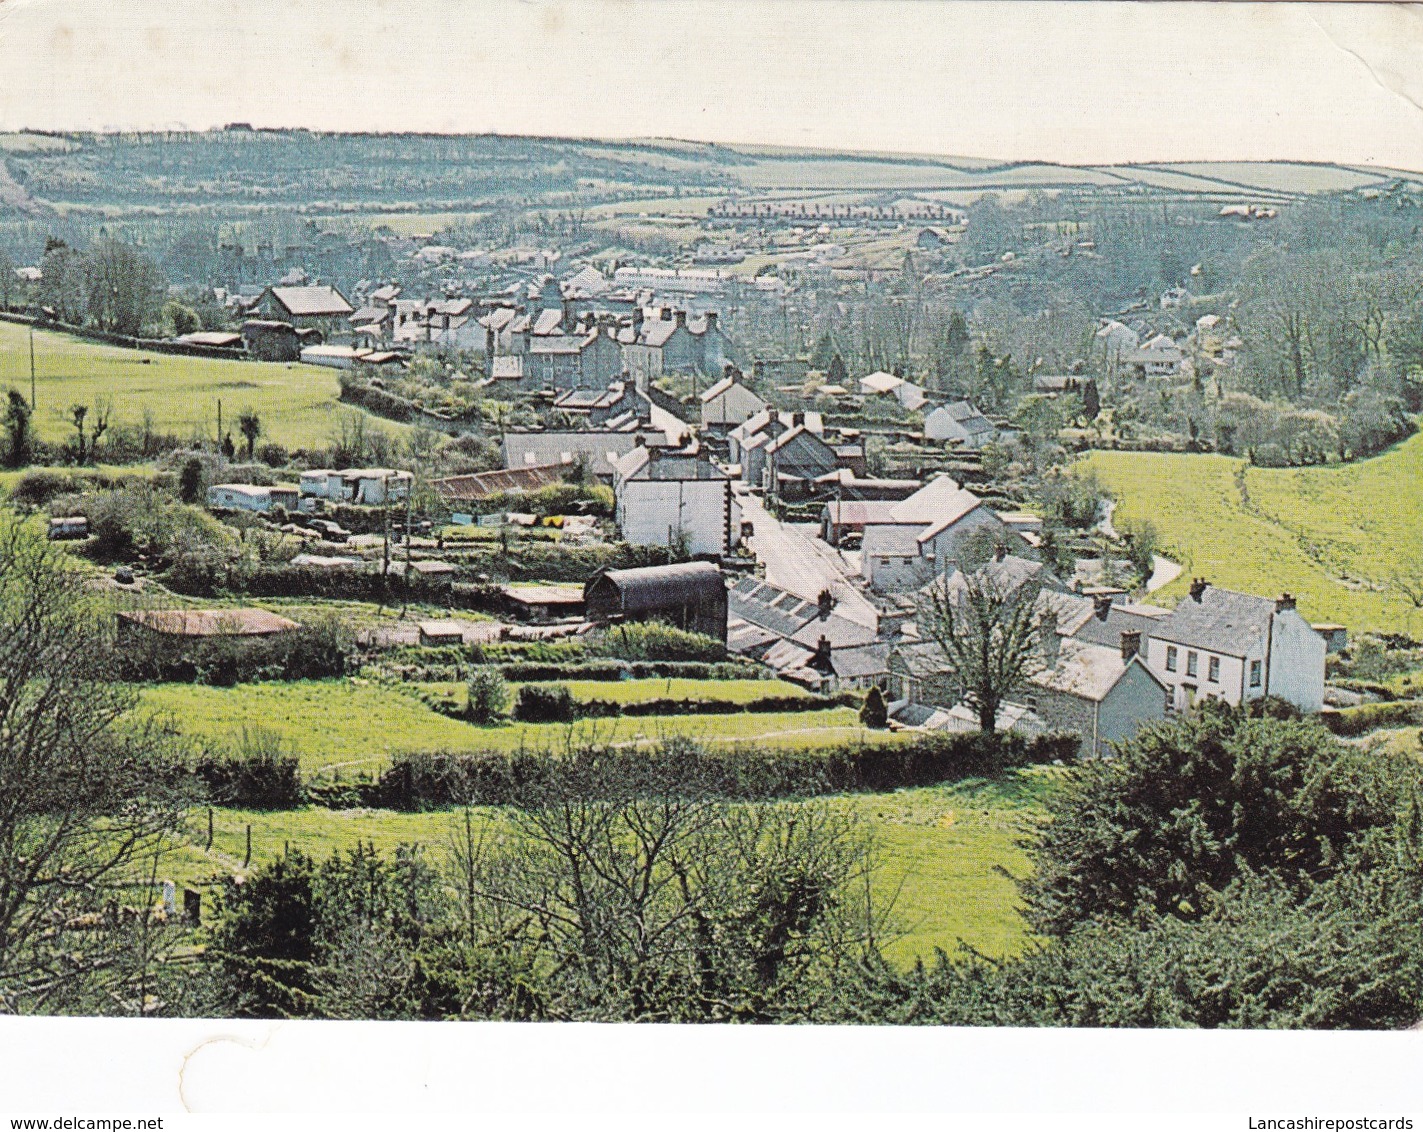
(689, 595)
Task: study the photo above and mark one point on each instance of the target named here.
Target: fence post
(209, 827)
(247, 860)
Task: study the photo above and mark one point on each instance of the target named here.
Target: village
(870, 543)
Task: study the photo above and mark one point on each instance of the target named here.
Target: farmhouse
(320, 308)
(1237, 647)
(959, 422)
(917, 538)
(666, 499)
(689, 595)
(1159, 357)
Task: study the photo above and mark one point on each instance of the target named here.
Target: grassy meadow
(297, 403)
(1330, 535)
(358, 726)
(947, 855)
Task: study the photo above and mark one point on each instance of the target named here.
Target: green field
(297, 404)
(641, 691)
(1330, 535)
(360, 725)
(947, 855)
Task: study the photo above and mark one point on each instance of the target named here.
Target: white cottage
(1219, 644)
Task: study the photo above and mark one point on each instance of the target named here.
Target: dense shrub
(488, 695)
(257, 774)
(744, 772)
(651, 640)
(874, 713)
(1187, 806)
(544, 703)
(323, 647)
(1369, 717)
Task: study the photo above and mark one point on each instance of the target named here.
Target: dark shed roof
(658, 587)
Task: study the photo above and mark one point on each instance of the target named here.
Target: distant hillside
(239, 169)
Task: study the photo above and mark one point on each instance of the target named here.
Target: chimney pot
(1198, 587)
(1285, 601)
(1131, 643)
(681, 317)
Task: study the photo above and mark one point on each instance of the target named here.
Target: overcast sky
(1087, 81)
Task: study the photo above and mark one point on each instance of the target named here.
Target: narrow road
(803, 564)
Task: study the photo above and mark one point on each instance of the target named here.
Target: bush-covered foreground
(1222, 871)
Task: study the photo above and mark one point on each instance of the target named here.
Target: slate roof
(311, 301)
(1119, 619)
(1221, 621)
(1087, 671)
(793, 617)
(641, 464)
(859, 512)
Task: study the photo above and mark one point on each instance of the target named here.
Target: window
(1192, 667)
(1255, 673)
(1213, 670)
(1170, 658)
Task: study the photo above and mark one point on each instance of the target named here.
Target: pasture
(297, 404)
(947, 855)
(358, 726)
(1331, 535)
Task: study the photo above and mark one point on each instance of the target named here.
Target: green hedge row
(1369, 717)
(745, 772)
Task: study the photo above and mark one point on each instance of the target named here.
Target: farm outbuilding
(543, 603)
(174, 624)
(689, 595)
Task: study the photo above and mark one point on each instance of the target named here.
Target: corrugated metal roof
(658, 587)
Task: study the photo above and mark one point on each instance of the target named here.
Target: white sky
(1086, 82)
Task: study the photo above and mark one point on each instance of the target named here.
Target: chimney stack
(821, 659)
(1285, 601)
(797, 419)
(1198, 587)
(681, 317)
(1000, 552)
(1103, 603)
(711, 321)
(1131, 643)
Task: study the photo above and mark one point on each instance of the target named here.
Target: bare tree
(648, 897)
(82, 797)
(991, 635)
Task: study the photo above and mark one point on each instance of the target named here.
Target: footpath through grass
(947, 855)
(298, 404)
(358, 725)
(1330, 535)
